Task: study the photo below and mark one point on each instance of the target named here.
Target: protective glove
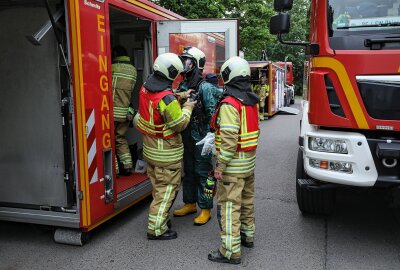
(130, 115)
(210, 187)
(190, 103)
(209, 146)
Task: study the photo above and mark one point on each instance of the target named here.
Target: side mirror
(312, 49)
(283, 5)
(279, 24)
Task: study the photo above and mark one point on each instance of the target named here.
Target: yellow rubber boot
(203, 217)
(188, 208)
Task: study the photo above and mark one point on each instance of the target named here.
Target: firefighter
(261, 90)
(124, 79)
(160, 121)
(197, 166)
(236, 137)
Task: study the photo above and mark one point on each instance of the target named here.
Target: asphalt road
(361, 234)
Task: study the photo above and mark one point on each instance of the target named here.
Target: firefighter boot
(216, 256)
(188, 208)
(168, 235)
(203, 217)
(246, 241)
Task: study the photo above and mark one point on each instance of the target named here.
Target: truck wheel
(312, 200)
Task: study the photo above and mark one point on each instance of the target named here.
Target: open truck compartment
(57, 159)
(32, 161)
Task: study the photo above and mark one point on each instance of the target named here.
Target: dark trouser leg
(189, 180)
(203, 165)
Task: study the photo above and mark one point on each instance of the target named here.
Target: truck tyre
(310, 200)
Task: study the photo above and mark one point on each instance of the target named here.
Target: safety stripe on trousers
(248, 231)
(161, 210)
(228, 229)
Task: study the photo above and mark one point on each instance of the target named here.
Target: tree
(299, 32)
(193, 9)
(254, 18)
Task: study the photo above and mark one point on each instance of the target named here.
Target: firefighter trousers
(121, 145)
(165, 181)
(196, 169)
(235, 212)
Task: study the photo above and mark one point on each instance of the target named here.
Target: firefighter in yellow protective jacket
(236, 138)
(124, 76)
(261, 90)
(161, 120)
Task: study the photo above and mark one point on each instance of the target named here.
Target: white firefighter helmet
(234, 67)
(196, 54)
(168, 64)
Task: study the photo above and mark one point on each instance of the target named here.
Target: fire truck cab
(351, 115)
(57, 154)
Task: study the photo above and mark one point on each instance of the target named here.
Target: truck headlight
(331, 165)
(327, 145)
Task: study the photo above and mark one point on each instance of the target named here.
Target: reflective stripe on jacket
(150, 121)
(246, 126)
(161, 120)
(236, 136)
(124, 79)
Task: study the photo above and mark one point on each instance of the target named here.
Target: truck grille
(381, 96)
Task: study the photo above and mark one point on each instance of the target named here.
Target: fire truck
(289, 82)
(279, 78)
(351, 115)
(57, 154)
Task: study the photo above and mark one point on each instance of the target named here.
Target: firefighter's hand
(188, 92)
(218, 175)
(129, 117)
(190, 103)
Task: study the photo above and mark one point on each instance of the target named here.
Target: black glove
(210, 187)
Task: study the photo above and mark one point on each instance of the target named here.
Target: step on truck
(57, 154)
(351, 115)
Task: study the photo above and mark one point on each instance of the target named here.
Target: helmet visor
(188, 64)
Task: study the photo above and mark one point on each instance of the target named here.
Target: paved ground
(361, 234)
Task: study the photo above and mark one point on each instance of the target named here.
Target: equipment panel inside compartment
(32, 162)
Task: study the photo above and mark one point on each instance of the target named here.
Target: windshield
(364, 14)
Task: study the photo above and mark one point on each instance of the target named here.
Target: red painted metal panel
(98, 100)
(356, 63)
(319, 110)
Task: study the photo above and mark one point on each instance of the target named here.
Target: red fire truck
(289, 82)
(57, 156)
(275, 75)
(351, 116)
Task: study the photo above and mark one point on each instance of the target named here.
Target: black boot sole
(153, 237)
(223, 260)
(247, 244)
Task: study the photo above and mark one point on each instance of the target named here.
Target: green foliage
(298, 32)
(254, 18)
(193, 9)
